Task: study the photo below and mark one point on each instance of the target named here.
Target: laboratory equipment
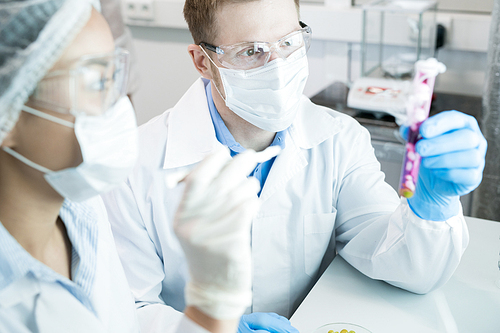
(395, 34)
(418, 107)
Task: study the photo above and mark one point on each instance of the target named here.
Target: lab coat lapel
(191, 134)
(272, 266)
(272, 237)
(290, 161)
(312, 126)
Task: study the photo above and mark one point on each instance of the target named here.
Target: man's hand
(265, 322)
(453, 153)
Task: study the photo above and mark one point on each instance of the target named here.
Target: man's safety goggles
(248, 55)
(91, 85)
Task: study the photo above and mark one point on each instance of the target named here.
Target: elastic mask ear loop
(26, 161)
(47, 116)
(219, 73)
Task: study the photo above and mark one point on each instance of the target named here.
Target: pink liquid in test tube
(417, 109)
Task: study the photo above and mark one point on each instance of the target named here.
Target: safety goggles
(248, 55)
(91, 85)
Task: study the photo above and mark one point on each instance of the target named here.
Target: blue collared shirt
(81, 226)
(225, 137)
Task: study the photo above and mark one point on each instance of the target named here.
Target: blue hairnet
(33, 36)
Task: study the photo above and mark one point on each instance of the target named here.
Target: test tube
(417, 110)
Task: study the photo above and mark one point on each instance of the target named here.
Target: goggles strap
(47, 116)
(219, 73)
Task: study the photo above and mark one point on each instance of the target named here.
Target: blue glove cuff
(435, 211)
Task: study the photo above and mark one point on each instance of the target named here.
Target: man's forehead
(259, 20)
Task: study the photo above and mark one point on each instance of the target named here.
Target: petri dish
(338, 327)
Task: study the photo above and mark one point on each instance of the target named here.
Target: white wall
(165, 68)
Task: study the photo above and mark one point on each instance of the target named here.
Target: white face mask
(267, 97)
(109, 147)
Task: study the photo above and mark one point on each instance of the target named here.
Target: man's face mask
(266, 94)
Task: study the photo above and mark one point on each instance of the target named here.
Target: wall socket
(138, 10)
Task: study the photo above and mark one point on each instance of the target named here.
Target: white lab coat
(324, 193)
(32, 305)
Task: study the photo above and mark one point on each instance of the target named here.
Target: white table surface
(469, 302)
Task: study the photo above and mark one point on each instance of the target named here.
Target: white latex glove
(212, 224)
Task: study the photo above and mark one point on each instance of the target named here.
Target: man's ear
(200, 61)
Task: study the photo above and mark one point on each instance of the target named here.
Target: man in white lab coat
(324, 194)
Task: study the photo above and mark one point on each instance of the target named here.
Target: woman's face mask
(109, 147)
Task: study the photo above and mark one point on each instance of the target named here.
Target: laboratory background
(190, 243)
(356, 44)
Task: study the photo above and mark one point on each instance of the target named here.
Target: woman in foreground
(67, 134)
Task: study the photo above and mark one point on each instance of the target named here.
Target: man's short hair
(200, 16)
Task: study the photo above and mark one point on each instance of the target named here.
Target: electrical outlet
(446, 21)
(138, 10)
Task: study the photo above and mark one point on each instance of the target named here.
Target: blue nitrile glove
(453, 151)
(265, 322)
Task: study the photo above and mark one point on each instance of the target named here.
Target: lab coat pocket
(318, 229)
